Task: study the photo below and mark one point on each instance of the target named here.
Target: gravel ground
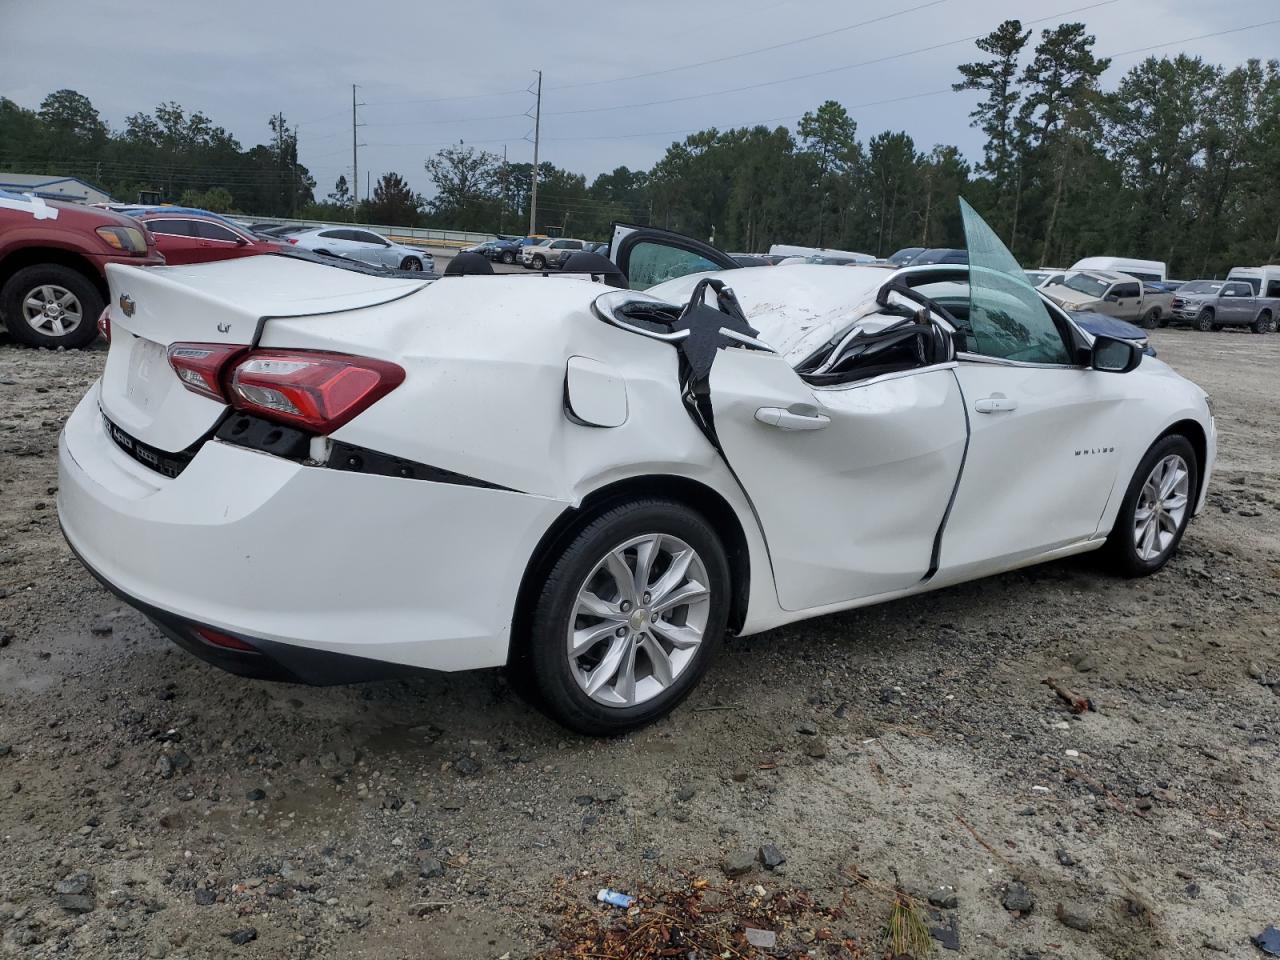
(153, 806)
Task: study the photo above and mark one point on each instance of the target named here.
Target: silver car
(365, 245)
(550, 252)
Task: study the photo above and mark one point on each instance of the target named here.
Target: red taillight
(200, 366)
(211, 636)
(291, 240)
(316, 391)
(104, 324)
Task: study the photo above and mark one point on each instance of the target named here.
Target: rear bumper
(300, 561)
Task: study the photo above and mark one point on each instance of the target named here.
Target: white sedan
(321, 474)
(364, 245)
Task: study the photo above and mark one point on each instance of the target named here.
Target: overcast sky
(434, 73)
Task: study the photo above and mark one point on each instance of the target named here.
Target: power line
(927, 93)
(757, 123)
(1203, 36)
(750, 53)
(816, 73)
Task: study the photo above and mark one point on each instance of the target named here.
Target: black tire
(1121, 551)
(1151, 319)
(27, 282)
(1164, 322)
(546, 652)
(539, 262)
(412, 264)
(1264, 324)
(508, 257)
(1205, 322)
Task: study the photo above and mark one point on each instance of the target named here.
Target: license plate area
(147, 381)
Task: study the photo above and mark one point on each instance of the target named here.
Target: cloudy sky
(622, 80)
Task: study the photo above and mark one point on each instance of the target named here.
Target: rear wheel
(629, 617)
(1265, 323)
(50, 305)
(1151, 319)
(1156, 508)
(1205, 321)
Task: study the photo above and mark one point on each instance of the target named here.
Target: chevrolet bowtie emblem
(127, 305)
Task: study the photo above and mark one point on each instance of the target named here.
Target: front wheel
(1264, 324)
(508, 257)
(50, 305)
(412, 264)
(1156, 508)
(629, 617)
(1205, 321)
(539, 262)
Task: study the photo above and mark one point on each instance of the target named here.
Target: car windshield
(1083, 283)
(1201, 286)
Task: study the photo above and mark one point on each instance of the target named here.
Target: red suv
(192, 238)
(53, 259)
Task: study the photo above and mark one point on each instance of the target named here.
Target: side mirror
(1111, 298)
(1111, 355)
(241, 242)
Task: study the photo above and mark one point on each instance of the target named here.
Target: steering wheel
(910, 293)
(940, 347)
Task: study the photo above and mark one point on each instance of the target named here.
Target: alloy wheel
(1161, 508)
(638, 620)
(52, 310)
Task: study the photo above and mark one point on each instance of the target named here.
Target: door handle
(786, 420)
(996, 403)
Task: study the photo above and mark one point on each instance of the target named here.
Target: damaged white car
(314, 473)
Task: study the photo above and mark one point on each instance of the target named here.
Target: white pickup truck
(1214, 304)
(1115, 294)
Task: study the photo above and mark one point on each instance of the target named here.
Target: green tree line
(1178, 163)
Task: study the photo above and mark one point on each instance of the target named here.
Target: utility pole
(355, 159)
(502, 204)
(537, 139)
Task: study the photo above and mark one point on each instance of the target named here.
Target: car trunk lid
(218, 303)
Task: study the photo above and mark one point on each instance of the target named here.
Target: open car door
(648, 256)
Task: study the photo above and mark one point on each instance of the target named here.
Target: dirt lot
(152, 806)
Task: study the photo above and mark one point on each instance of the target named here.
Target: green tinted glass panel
(1007, 318)
(652, 263)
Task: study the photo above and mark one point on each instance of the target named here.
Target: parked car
(365, 246)
(1115, 294)
(1101, 325)
(192, 238)
(787, 251)
(282, 230)
(1214, 304)
(53, 259)
(1265, 281)
(499, 250)
(901, 258)
(1045, 276)
(515, 471)
(549, 252)
(1142, 269)
(938, 255)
